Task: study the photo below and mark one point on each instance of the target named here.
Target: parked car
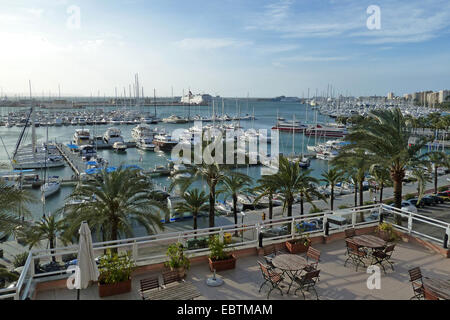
(275, 232)
(415, 202)
(444, 196)
(428, 201)
(408, 206)
(436, 198)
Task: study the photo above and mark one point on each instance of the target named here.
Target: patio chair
(381, 256)
(148, 284)
(314, 256)
(356, 254)
(271, 278)
(269, 254)
(308, 281)
(415, 277)
(429, 295)
(350, 233)
(171, 277)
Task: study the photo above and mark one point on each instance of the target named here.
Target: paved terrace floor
(336, 282)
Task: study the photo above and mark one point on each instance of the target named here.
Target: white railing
(249, 236)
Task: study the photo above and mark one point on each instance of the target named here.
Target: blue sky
(229, 47)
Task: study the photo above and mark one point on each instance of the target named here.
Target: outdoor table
(290, 264)
(369, 241)
(181, 291)
(440, 287)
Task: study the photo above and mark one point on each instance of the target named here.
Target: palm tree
(381, 176)
(113, 201)
(12, 207)
(308, 190)
(48, 229)
(437, 159)
(233, 185)
(194, 202)
(266, 188)
(6, 275)
(332, 177)
(213, 174)
(386, 137)
(422, 177)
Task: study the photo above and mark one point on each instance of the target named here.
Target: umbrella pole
(78, 294)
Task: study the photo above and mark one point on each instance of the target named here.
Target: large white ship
(196, 98)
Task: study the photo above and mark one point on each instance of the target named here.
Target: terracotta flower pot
(111, 289)
(297, 247)
(181, 271)
(220, 265)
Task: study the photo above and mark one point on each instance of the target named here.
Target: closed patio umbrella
(87, 268)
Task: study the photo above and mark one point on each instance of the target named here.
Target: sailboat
(49, 187)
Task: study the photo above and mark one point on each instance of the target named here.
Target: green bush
(217, 249)
(20, 259)
(343, 206)
(175, 252)
(443, 188)
(389, 202)
(409, 196)
(366, 203)
(115, 268)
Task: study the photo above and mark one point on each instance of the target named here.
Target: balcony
(424, 244)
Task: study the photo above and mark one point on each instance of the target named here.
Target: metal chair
(171, 277)
(148, 284)
(269, 254)
(355, 254)
(313, 255)
(308, 281)
(381, 256)
(415, 277)
(270, 278)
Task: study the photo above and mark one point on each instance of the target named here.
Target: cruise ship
(289, 126)
(112, 135)
(196, 98)
(326, 131)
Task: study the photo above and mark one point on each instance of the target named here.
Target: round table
(369, 241)
(290, 264)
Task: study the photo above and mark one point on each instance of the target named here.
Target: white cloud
(209, 43)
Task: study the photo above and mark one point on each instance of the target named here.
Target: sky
(232, 48)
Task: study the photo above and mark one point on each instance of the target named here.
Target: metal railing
(151, 249)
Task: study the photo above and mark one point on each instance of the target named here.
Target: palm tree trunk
(52, 246)
(397, 178)
(270, 207)
(194, 217)
(361, 193)
(356, 195)
(289, 213)
(235, 212)
(114, 233)
(212, 202)
(302, 209)
(332, 197)
(435, 178)
(381, 192)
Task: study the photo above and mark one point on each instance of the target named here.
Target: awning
(72, 146)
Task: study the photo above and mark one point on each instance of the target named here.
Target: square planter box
(222, 265)
(106, 290)
(297, 247)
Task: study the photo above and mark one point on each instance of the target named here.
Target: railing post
(221, 235)
(135, 250)
(380, 213)
(17, 295)
(292, 227)
(31, 266)
(410, 223)
(325, 226)
(353, 219)
(259, 236)
(446, 238)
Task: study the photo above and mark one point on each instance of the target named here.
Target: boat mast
(33, 128)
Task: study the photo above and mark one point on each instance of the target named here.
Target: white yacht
(112, 135)
(175, 119)
(142, 131)
(50, 188)
(145, 143)
(82, 137)
(87, 152)
(164, 141)
(120, 146)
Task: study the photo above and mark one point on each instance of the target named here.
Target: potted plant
(115, 274)
(178, 261)
(386, 232)
(219, 258)
(300, 244)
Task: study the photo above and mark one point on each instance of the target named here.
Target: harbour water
(265, 113)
